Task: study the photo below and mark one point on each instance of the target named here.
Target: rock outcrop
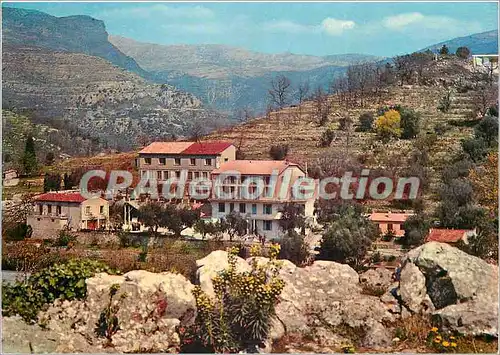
(324, 300)
(325, 303)
(459, 289)
(150, 307)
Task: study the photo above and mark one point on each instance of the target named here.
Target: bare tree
(321, 106)
(404, 68)
(280, 91)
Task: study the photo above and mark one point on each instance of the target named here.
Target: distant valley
(69, 76)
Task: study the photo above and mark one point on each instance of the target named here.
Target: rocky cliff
(77, 34)
(104, 101)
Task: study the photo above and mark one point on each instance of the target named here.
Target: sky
(383, 29)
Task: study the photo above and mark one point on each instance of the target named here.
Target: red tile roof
(186, 148)
(254, 167)
(61, 197)
(166, 147)
(446, 235)
(209, 148)
(389, 217)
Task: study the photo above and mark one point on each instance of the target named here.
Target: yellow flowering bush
(240, 315)
(442, 342)
(389, 125)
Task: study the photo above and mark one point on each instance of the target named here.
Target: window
(178, 174)
(243, 208)
(162, 161)
(143, 173)
(226, 159)
(159, 174)
(177, 161)
(87, 210)
(192, 161)
(205, 174)
(208, 161)
(268, 209)
(254, 208)
(231, 207)
(268, 225)
(390, 227)
(222, 207)
(101, 209)
(196, 174)
(49, 209)
(147, 161)
(40, 209)
(190, 175)
(165, 175)
(58, 210)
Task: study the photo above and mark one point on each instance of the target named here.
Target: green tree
(366, 122)
(348, 239)
(279, 152)
(416, 229)
(29, 161)
(463, 52)
(236, 225)
(292, 217)
(49, 158)
(475, 149)
(487, 129)
(51, 182)
(151, 215)
(410, 123)
(444, 50)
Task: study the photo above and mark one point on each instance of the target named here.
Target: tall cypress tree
(29, 162)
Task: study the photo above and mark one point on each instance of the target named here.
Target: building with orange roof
(54, 211)
(450, 236)
(235, 180)
(165, 160)
(389, 221)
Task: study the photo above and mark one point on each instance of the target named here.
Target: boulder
(211, 265)
(377, 278)
(459, 289)
(150, 307)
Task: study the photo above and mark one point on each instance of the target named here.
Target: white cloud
(195, 28)
(417, 24)
(289, 27)
(145, 12)
(330, 26)
(402, 20)
(335, 27)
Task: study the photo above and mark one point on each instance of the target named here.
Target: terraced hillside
(298, 128)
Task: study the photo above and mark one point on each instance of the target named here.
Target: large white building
(235, 182)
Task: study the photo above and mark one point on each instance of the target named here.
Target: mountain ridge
(478, 43)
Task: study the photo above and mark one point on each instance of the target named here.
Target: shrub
(19, 232)
(294, 248)
(279, 152)
(241, 314)
(410, 123)
(366, 122)
(389, 125)
(348, 238)
(445, 102)
(416, 228)
(64, 239)
(475, 149)
(107, 325)
(65, 281)
(463, 52)
(444, 50)
(327, 137)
